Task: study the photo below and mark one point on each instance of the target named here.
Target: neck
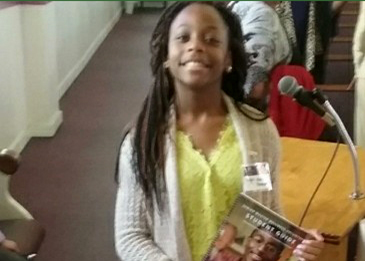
(202, 102)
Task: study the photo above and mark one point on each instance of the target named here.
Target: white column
(129, 6)
(39, 38)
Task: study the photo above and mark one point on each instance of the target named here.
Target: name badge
(257, 177)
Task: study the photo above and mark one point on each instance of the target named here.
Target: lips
(255, 257)
(195, 63)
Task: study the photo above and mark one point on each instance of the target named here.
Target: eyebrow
(209, 27)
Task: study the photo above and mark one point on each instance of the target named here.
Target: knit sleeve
(133, 239)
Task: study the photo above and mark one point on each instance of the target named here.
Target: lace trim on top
(208, 186)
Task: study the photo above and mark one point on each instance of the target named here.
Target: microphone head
(288, 85)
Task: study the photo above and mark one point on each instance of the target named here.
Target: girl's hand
(310, 249)
(10, 245)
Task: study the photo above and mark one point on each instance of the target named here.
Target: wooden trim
(350, 12)
(347, 25)
(342, 39)
(6, 4)
(34, 2)
(334, 87)
(339, 57)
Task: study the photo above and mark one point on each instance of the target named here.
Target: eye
(257, 239)
(183, 38)
(271, 249)
(212, 40)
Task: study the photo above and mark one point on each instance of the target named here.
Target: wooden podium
(332, 210)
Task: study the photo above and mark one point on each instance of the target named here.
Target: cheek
(251, 245)
(172, 52)
(222, 60)
(173, 60)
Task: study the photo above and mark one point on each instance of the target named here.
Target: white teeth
(255, 257)
(194, 64)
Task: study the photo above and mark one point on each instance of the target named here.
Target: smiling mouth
(195, 65)
(194, 61)
(255, 257)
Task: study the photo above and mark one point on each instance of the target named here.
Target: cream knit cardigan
(161, 237)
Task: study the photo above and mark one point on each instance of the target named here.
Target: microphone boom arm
(357, 194)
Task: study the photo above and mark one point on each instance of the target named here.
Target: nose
(196, 44)
(261, 248)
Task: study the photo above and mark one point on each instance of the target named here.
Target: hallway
(67, 182)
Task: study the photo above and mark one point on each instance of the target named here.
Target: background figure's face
(262, 247)
(227, 238)
(198, 47)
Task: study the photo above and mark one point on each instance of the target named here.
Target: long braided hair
(152, 122)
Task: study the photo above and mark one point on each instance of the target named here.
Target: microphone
(288, 86)
(318, 103)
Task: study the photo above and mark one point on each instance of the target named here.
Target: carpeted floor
(67, 182)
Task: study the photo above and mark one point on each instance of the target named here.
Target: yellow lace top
(208, 186)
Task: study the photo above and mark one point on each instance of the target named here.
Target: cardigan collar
(172, 183)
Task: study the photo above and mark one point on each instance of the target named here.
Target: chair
(292, 119)
(15, 221)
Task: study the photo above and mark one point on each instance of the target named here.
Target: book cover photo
(252, 232)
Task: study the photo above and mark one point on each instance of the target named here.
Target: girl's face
(198, 47)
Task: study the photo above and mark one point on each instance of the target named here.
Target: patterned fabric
(313, 45)
(266, 42)
(208, 186)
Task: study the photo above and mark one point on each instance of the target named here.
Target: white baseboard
(80, 65)
(47, 129)
(20, 142)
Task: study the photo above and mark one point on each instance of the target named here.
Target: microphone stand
(357, 194)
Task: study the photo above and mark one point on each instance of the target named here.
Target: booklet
(252, 232)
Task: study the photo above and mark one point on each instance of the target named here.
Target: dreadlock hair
(151, 126)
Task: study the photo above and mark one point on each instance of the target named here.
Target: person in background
(309, 26)
(180, 163)
(358, 51)
(266, 45)
(9, 250)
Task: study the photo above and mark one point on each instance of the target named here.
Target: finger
(309, 249)
(315, 233)
(313, 243)
(304, 256)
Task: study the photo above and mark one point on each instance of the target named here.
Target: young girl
(180, 166)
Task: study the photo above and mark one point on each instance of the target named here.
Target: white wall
(43, 48)
(81, 27)
(12, 97)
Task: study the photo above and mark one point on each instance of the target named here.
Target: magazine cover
(252, 232)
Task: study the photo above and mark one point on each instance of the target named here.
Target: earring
(166, 65)
(229, 69)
